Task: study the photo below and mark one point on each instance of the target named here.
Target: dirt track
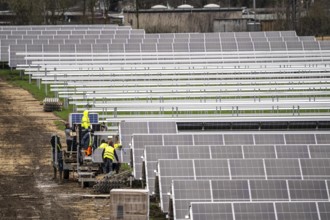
(26, 188)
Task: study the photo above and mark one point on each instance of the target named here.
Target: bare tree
(317, 20)
(91, 7)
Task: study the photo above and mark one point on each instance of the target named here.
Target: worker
(57, 156)
(117, 145)
(109, 155)
(103, 144)
(103, 127)
(85, 123)
(87, 142)
(68, 137)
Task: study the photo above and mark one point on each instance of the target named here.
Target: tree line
(307, 17)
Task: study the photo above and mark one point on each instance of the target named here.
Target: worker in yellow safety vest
(85, 123)
(117, 145)
(109, 155)
(103, 144)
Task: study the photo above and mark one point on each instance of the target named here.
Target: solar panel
(313, 45)
(268, 190)
(164, 47)
(75, 118)
(178, 139)
(229, 46)
(193, 152)
(259, 151)
(211, 169)
(315, 168)
(324, 210)
(245, 46)
(277, 46)
(269, 139)
(292, 151)
(283, 169)
(294, 45)
(300, 139)
(253, 211)
(186, 191)
(97, 156)
(238, 139)
(224, 152)
(225, 190)
(261, 46)
(322, 138)
(319, 151)
(148, 47)
(162, 127)
(132, 47)
(180, 47)
(126, 129)
(246, 169)
(293, 211)
(212, 46)
(212, 211)
(308, 190)
(208, 139)
(196, 47)
(324, 45)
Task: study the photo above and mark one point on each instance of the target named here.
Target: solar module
(308, 190)
(268, 190)
(127, 129)
(283, 169)
(315, 168)
(319, 151)
(259, 151)
(291, 211)
(258, 210)
(75, 118)
(292, 151)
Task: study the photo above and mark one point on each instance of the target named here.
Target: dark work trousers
(69, 145)
(107, 165)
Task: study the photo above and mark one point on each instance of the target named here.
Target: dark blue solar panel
(75, 118)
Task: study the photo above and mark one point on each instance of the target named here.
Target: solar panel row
(140, 141)
(258, 210)
(185, 192)
(153, 153)
(236, 169)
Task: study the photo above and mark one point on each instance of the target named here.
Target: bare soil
(27, 190)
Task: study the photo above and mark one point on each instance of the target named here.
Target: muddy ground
(27, 190)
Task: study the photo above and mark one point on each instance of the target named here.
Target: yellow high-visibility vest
(103, 145)
(109, 152)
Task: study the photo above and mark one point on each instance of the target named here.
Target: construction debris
(52, 104)
(114, 181)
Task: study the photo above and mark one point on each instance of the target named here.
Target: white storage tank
(185, 6)
(211, 6)
(159, 7)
